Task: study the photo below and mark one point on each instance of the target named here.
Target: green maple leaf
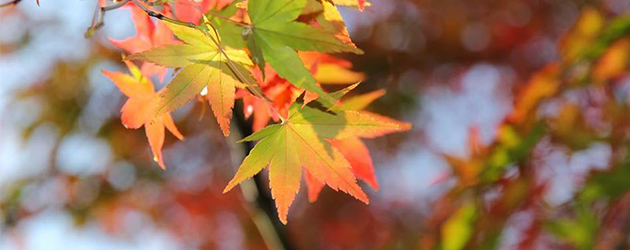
(231, 34)
(303, 141)
(203, 64)
(274, 36)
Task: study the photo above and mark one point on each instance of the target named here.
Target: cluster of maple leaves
(270, 54)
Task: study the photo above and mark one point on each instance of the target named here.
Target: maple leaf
(282, 93)
(148, 35)
(274, 35)
(357, 155)
(202, 63)
(138, 110)
(330, 20)
(330, 70)
(352, 148)
(192, 10)
(303, 141)
(354, 3)
(361, 101)
(230, 32)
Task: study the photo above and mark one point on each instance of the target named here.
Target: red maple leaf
(148, 35)
(191, 10)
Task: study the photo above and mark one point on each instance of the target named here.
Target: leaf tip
(282, 213)
(361, 196)
(405, 126)
(160, 162)
(108, 74)
(228, 187)
(225, 127)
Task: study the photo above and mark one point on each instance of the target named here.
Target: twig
(12, 3)
(227, 19)
(98, 21)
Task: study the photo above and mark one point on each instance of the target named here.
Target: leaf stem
(98, 20)
(227, 19)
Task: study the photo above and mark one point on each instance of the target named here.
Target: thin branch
(227, 19)
(12, 3)
(98, 20)
(163, 17)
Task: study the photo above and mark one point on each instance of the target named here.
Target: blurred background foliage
(521, 136)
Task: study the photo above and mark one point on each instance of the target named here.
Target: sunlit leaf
(204, 65)
(274, 36)
(309, 141)
(138, 110)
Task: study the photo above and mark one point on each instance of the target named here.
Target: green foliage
(458, 229)
(303, 141)
(274, 36)
(231, 34)
(580, 231)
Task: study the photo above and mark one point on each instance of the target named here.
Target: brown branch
(259, 203)
(261, 206)
(97, 23)
(12, 3)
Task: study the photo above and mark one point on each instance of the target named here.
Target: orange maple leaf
(353, 148)
(358, 155)
(139, 109)
(302, 144)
